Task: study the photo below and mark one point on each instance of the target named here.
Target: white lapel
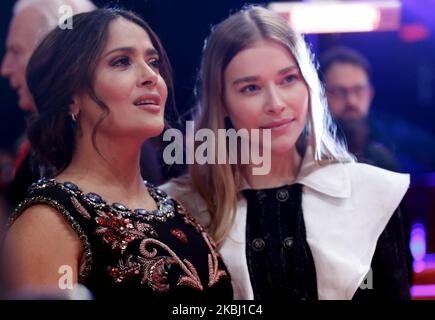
(345, 207)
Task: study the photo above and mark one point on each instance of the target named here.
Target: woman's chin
(281, 151)
(154, 129)
(278, 148)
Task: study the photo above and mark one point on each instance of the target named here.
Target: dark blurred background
(403, 63)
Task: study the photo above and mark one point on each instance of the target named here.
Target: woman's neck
(112, 169)
(284, 169)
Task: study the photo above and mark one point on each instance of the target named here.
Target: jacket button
(282, 195)
(288, 242)
(261, 195)
(258, 244)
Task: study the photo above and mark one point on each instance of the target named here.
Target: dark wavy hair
(63, 65)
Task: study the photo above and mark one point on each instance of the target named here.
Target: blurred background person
(32, 20)
(346, 75)
(6, 176)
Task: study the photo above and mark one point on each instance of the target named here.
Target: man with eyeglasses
(348, 87)
(346, 75)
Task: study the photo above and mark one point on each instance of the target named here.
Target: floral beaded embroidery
(180, 235)
(125, 270)
(117, 231)
(153, 267)
(119, 226)
(80, 209)
(214, 273)
(155, 272)
(165, 205)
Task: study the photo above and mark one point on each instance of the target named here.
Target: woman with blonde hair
(307, 229)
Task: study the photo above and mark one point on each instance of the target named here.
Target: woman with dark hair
(100, 89)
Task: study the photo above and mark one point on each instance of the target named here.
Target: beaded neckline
(165, 205)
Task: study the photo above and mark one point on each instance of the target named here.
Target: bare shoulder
(38, 244)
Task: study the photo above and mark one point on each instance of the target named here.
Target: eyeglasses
(359, 91)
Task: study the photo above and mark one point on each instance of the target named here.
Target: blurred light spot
(414, 32)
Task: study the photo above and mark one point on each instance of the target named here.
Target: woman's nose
(274, 102)
(148, 76)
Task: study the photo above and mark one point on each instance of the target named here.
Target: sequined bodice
(156, 254)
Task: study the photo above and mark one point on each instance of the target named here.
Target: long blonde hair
(217, 183)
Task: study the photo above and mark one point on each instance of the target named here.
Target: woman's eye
(289, 78)
(250, 89)
(120, 62)
(155, 63)
(16, 51)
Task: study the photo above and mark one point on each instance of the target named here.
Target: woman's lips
(149, 102)
(278, 126)
(154, 108)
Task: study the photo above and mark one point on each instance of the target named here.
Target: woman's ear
(74, 107)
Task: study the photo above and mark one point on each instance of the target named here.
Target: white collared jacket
(345, 206)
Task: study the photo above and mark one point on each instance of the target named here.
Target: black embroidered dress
(157, 255)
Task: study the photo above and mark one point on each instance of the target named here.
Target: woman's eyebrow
(287, 69)
(149, 51)
(123, 49)
(245, 79)
(255, 78)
